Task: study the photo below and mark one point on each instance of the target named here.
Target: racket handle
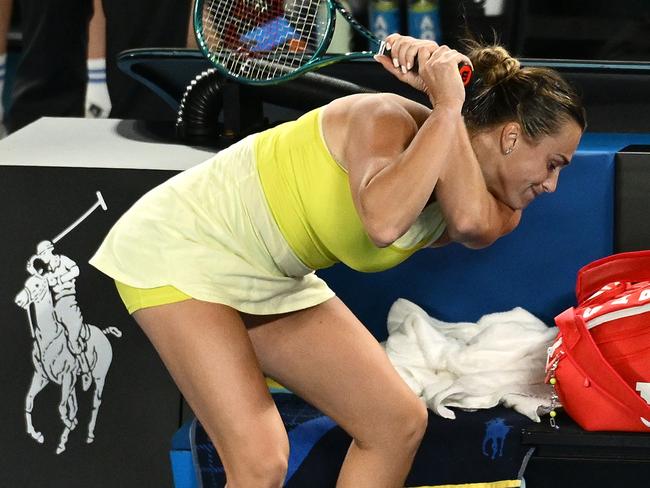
(464, 69)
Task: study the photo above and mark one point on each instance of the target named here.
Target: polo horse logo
(496, 432)
(54, 362)
(64, 345)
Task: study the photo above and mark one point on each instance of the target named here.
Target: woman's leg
(210, 356)
(325, 355)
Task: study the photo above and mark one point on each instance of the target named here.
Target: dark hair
(539, 99)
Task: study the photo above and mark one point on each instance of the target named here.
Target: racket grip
(464, 69)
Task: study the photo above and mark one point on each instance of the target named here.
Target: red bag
(600, 363)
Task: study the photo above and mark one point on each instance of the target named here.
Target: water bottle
(383, 17)
(424, 20)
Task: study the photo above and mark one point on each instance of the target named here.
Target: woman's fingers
(424, 53)
(386, 62)
(446, 55)
(404, 50)
(441, 76)
(434, 66)
(456, 58)
(439, 53)
(398, 47)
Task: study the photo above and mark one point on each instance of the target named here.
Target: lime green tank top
(309, 196)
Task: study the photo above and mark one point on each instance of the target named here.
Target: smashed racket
(261, 42)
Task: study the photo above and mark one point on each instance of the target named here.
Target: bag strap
(626, 266)
(580, 346)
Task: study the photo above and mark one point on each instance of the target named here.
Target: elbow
(473, 233)
(380, 242)
(380, 234)
(379, 229)
(377, 224)
(479, 243)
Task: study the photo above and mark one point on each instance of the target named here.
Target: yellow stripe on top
(309, 195)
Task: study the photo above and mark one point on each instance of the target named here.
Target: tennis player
(217, 264)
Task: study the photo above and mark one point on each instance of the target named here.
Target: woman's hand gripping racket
(428, 67)
(269, 41)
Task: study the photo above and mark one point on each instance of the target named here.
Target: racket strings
(262, 39)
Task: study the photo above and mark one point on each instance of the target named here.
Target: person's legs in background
(141, 24)
(98, 103)
(51, 75)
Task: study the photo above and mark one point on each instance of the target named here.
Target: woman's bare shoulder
(358, 119)
(385, 104)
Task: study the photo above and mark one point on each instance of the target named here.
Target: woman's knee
(401, 424)
(268, 471)
(411, 421)
(261, 461)
(419, 420)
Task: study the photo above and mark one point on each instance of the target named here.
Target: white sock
(98, 103)
(3, 72)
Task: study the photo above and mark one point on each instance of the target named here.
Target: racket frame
(318, 59)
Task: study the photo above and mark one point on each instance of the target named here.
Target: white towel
(499, 359)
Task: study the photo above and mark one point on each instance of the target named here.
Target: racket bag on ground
(601, 358)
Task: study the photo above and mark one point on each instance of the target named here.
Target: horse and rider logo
(496, 431)
(65, 347)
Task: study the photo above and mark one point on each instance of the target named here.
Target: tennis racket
(260, 42)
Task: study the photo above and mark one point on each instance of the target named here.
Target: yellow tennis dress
(248, 227)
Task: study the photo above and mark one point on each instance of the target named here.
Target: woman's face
(528, 169)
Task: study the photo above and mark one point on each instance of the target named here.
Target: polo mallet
(99, 203)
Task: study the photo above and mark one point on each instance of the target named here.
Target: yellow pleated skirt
(208, 233)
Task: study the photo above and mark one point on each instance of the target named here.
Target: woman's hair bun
(537, 98)
(492, 63)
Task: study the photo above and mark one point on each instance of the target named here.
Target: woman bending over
(216, 264)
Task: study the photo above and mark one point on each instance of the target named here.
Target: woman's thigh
(328, 357)
(208, 352)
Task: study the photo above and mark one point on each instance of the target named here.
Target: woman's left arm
(475, 218)
(464, 197)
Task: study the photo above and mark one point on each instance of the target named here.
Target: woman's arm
(393, 166)
(394, 161)
(475, 218)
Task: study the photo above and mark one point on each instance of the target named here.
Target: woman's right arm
(392, 165)
(474, 216)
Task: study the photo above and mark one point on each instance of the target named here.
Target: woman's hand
(400, 57)
(437, 72)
